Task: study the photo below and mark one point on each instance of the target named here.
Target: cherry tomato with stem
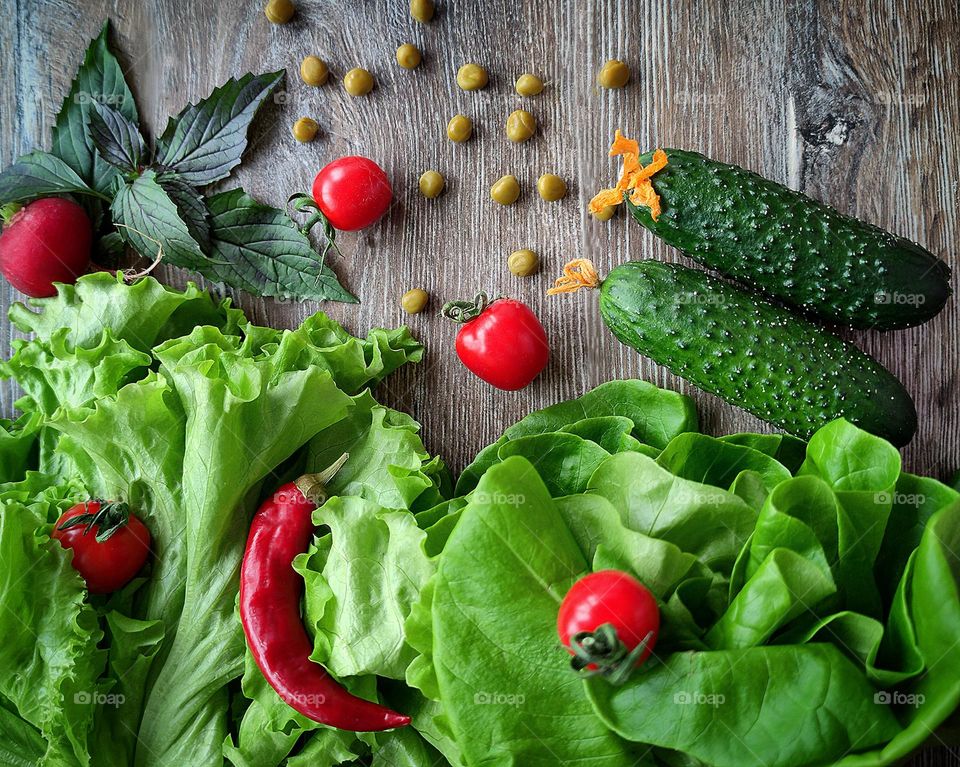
(109, 543)
(609, 622)
(352, 192)
(501, 341)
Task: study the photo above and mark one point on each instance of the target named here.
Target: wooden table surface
(854, 103)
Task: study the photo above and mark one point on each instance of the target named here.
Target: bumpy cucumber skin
(786, 244)
(752, 353)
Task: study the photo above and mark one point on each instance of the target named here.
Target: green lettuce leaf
(739, 708)
(49, 659)
(361, 586)
(505, 684)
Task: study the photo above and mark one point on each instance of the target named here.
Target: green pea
(279, 11)
(523, 263)
(314, 71)
(460, 128)
(358, 82)
(605, 213)
(551, 187)
(472, 77)
(521, 125)
(422, 10)
(409, 56)
(431, 184)
(613, 74)
(305, 130)
(414, 301)
(529, 85)
(506, 190)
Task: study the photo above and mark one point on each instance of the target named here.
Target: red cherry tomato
(109, 543)
(352, 192)
(609, 621)
(503, 343)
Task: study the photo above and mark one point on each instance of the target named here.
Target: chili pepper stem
(314, 486)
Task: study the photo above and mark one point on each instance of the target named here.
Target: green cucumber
(754, 354)
(786, 244)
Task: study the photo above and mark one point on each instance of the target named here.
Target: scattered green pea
(529, 85)
(523, 263)
(422, 10)
(521, 125)
(279, 11)
(551, 187)
(314, 71)
(460, 128)
(305, 130)
(431, 184)
(358, 82)
(472, 77)
(414, 301)
(409, 56)
(506, 190)
(605, 213)
(613, 74)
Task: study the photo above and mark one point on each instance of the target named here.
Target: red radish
(45, 242)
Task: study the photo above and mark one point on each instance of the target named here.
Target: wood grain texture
(854, 103)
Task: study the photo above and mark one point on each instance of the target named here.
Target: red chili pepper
(501, 342)
(270, 593)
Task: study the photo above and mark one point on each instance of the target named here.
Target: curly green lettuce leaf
(49, 659)
(21, 744)
(143, 314)
(266, 410)
(270, 730)
(361, 585)
(387, 462)
(18, 440)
